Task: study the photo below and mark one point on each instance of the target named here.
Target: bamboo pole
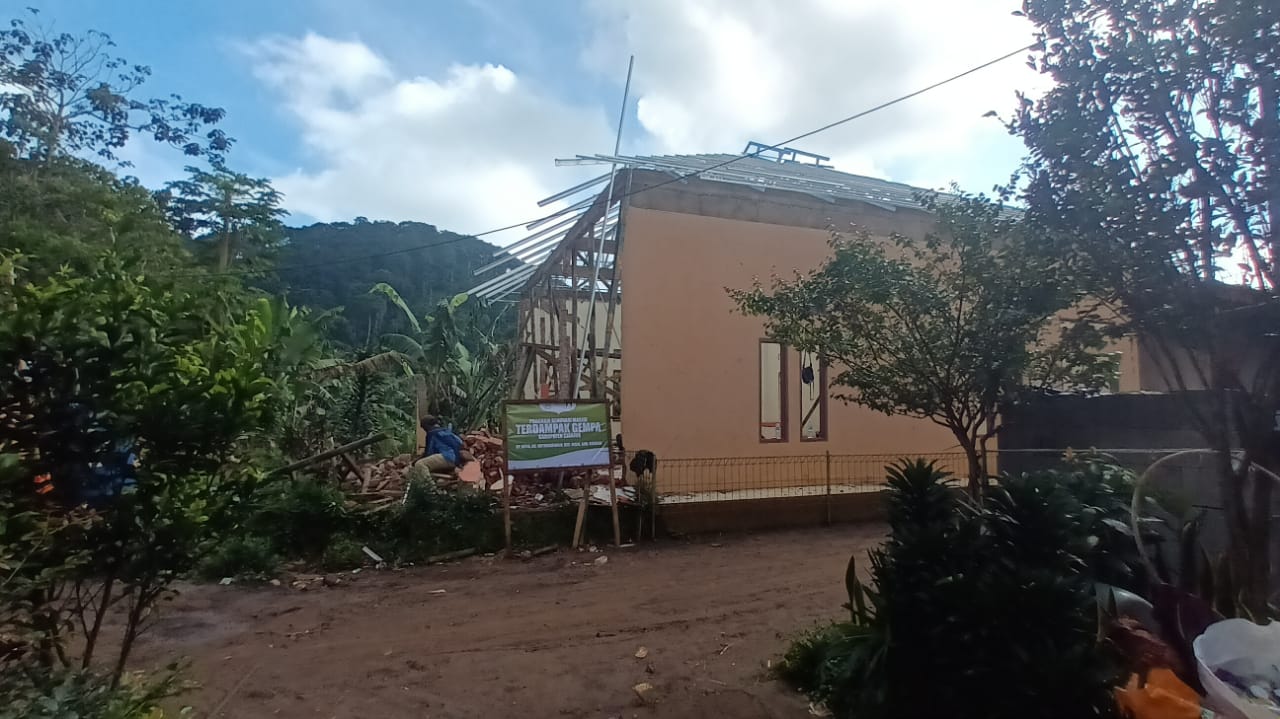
(330, 454)
(507, 481)
(613, 501)
(578, 523)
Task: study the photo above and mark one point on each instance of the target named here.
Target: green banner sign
(557, 435)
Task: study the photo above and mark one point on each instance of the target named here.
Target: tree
(453, 353)
(1155, 166)
(70, 213)
(944, 328)
(239, 215)
(134, 398)
(67, 95)
(424, 264)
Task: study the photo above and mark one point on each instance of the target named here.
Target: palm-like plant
(454, 353)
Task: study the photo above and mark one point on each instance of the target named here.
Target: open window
(813, 398)
(773, 392)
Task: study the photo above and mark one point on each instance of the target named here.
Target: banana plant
(453, 351)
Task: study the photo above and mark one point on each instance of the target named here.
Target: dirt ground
(552, 637)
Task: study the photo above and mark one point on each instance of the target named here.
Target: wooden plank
(548, 352)
(359, 472)
(330, 454)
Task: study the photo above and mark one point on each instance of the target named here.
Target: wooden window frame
(821, 377)
(783, 417)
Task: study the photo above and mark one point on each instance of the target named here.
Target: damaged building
(685, 374)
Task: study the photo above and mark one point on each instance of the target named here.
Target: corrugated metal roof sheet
(752, 171)
(819, 180)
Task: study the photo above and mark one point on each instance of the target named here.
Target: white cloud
(712, 74)
(468, 150)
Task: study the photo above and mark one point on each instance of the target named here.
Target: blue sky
(452, 112)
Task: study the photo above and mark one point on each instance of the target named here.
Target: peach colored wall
(691, 376)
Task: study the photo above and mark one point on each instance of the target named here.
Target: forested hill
(421, 276)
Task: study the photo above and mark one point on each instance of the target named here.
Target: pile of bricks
(488, 452)
(383, 481)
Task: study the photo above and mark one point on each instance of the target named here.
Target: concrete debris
(819, 710)
(382, 484)
(226, 580)
(331, 580)
(274, 582)
(372, 555)
(641, 653)
(600, 560)
(645, 693)
(438, 591)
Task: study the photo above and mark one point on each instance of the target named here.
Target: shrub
(433, 520)
(342, 553)
(817, 663)
(1090, 500)
(302, 517)
(28, 692)
(249, 557)
(980, 611)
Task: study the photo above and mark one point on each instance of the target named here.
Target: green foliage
(454, 354)
(343, 553)
(819, 662)
(1086, 502)
(71, 212)
(35, 693)
(115, 365)
(302, 518)
(239, 216)
(64, 94)
(981, 609)
(244, 557)
(1155, 168)
(433, 521)
(465, 367)
(386, 254)
(1157, 148)
(943, 328)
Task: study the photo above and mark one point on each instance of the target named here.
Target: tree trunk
(130, 635)
(974, 459)
(224, 252)
(91, 637)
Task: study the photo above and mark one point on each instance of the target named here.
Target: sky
(453, 112)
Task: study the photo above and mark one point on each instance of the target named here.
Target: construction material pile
(488, 452)
(379, 483)
(383, 481)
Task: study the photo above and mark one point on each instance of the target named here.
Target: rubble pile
(381, 482)
(488, 452)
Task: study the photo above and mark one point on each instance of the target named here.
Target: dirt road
(552, 637)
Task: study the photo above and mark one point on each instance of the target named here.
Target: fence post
(828, 486)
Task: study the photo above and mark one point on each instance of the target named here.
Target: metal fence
(682, 481)
(716, 493)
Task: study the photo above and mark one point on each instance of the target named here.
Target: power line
(668, 181)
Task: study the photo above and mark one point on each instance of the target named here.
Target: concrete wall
(691, 379)
(755, 514)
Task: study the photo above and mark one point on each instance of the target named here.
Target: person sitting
(444, 452)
